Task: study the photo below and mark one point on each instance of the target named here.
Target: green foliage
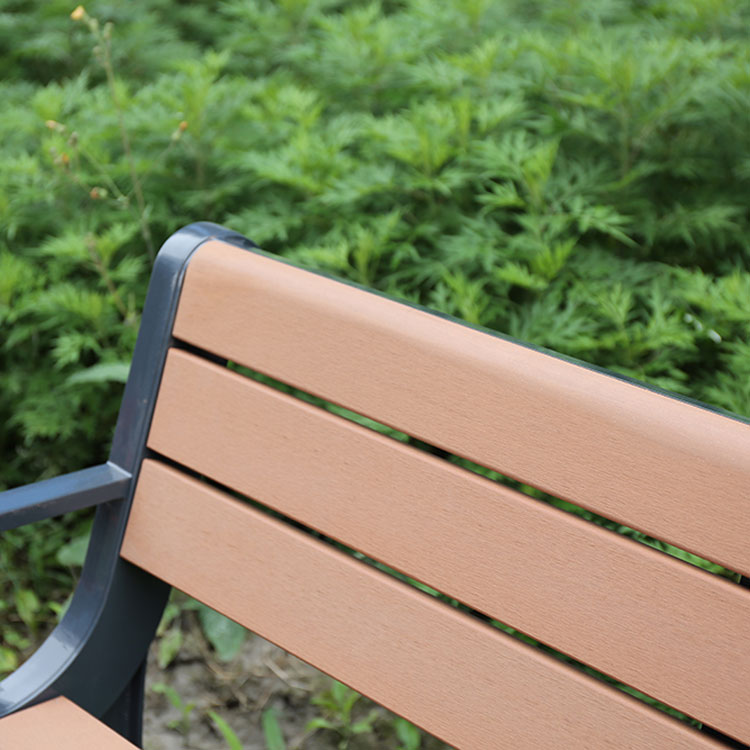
(225, 635)
(169, 631)
(408, 735)
(337, 704)
(272, 731)
(182, 724)
(233, 742)
(39, 564)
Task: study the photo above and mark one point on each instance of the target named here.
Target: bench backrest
(372, 539)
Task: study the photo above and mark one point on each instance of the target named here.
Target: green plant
(272, 733)
(337, 703)
(181, 724)
(169, 633)
(39, 564)
(225, 635)
(103, 52)
(408, 735)
(227, 732)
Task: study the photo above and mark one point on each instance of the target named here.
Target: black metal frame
(96, 655)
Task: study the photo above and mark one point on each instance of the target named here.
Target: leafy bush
(574, 174)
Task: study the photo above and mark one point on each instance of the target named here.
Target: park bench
(233, 479)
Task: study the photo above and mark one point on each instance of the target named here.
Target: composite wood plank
(472, 686)
(669, 629)
(59, 724)
(672, 469)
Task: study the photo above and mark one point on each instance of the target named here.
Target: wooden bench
(198, 436)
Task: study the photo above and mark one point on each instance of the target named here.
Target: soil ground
(262, 676)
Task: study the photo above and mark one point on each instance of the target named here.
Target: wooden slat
(667, 628)
(676, 471)
(59, 724)
(472, 686)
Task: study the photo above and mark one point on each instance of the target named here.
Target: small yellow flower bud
(181, 128)
(53, 125)
(78, 13)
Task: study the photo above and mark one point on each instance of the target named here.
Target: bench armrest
(99, 645)
(97, 649)
(53, 497)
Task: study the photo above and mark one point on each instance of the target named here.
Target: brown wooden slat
(669, 629)
(672, 469)
(59, 724)
(459, 679)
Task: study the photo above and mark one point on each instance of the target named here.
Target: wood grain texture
(674, 470)
(59, 724)
(667, 628)
(472, 686)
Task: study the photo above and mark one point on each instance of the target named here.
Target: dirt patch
(262, 676)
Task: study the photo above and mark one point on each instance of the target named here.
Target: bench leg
(125, 715)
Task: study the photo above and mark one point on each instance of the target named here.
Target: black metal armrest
(53, 497)
(94, 655)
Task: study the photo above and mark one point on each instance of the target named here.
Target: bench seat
(60, 724)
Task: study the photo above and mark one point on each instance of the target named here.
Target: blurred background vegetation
(574, 173)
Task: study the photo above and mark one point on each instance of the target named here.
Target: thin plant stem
(104, 273)
(106, 61)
